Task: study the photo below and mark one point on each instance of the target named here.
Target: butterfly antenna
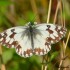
(35, 18)
(25, 19)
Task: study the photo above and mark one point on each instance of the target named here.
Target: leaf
(7, 55)
(53, 55)
(5, 2)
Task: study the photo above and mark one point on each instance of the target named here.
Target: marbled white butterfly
(32, 38)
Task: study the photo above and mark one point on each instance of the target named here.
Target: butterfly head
(32, 23)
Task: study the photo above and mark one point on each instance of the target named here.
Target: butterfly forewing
(43, 35)
(52, 33)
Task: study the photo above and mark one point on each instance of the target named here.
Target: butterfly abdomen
(31, 35)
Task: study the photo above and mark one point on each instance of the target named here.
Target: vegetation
(19, 12)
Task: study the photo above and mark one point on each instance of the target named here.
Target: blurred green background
(19, 12)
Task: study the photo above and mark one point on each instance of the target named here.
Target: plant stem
(57, 8)
(49, 11)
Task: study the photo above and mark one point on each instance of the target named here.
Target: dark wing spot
(12, 35)
(47, 45)
(28, 51)
(48, 26)
(0, 36)
(60, 30)
(12, 30)
(4, 41)
(49, 39)
(18, 48)
(15, 43)
(39, 50)
(57, 38)
(56, 28)
(49, 30)
(63, 30)
(5, 35)
(8, 45)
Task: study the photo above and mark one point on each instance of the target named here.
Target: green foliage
(23, 13)
(21, 22)
(50, 66)
(54, 55)
(3, 9)
(0, 19)
(7, 55)
(4, 3)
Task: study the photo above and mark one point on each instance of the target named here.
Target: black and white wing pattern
(51, 32)
(16, 37)
(36, 41)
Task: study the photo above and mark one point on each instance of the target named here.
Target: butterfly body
(32, 38)
(31, 34)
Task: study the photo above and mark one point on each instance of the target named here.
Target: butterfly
(33, 38)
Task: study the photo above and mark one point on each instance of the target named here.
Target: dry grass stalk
(61, 56)
(3, 67)
(64, 44)
(0, 50)
(60, 7)
(67, 40)
(45, 67)
(57, 8)
(42, 67)
(43, 2)
(11, 18)
(44, 6)
(12, 8)
(49, 11)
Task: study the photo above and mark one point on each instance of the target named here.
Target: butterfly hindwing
(41, 47)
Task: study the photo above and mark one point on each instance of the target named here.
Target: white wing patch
(43, 36)
(41, 47)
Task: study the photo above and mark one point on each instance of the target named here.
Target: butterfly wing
(16, 37)
(51, 32)
(41, 46)
(43, 36)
